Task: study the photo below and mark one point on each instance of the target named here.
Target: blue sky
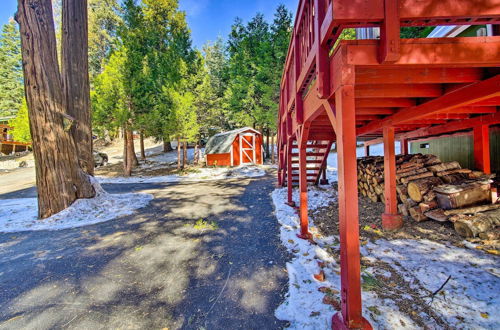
(206, 18)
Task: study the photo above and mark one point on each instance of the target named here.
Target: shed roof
(221, 143)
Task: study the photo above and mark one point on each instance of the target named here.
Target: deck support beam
(482, 148)
(403, 146)
(303, 212)
(350, 316)
(289, 178)
(391, 220)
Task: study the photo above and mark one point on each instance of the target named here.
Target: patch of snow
(201, 174)
(470, 299)
(470, 292)
(21, 214)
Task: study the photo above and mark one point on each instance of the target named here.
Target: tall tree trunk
(185, 158)
(267, 143)
(60, 180)
(178, 153)
(167, 146)
(75, 77)
(135, 161)
(143, 152)
(130, 152)
(124, 130)
(272, 149)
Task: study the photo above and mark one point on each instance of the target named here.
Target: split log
(473, 210)
(403, 210)
(490, 235)
(430, 196)
(416, 177)
(459, 196)
(455, 171)
(418, 188)
(453, 178)
(475, 174)
(411, 173)
(444, 167)
(427, 206)
(472, 226)
(417, 214)
(437, 214)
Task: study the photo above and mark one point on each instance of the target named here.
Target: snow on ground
(200, 174)
(21, 214)
(470, 299)
(331, 162)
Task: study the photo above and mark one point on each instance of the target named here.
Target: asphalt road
(154, 269)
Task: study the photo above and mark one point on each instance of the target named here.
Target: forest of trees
(112, 68)
(145, 75)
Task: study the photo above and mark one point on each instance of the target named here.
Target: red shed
(238, 147)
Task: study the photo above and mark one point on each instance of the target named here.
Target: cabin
(7, 144)
(241, 146)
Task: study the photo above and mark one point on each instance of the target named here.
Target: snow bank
(21, 214)
(201, 174)
(470, 299)
(303, 306)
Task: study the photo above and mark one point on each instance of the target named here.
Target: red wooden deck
(379, 91)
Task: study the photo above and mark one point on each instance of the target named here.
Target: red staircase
(317, 154)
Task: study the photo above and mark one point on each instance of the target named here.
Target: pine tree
(21, 125)
(11, 72)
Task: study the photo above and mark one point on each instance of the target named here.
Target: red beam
(473, 93)
(481, 137)
(391, 220)
(383, 75)
(375, 111)
(435, 52)
(454, 126)
(384, 103)
(398, 90)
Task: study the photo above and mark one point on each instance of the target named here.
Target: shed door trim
(243, 150)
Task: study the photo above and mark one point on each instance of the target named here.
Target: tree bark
(75, 78)
(167, 146)
(178, 153)
(185, 159)
(135, 161)
(267, 144)
(143, 152)
(124, 131)
(60, 179)
(130, 152)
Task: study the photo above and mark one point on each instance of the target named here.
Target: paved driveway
(154, 269)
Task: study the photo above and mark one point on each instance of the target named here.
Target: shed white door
(247, 148)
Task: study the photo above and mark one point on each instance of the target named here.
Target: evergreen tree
(104, 19)
(21, 124)
(11, 72)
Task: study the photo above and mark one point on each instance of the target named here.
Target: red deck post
(404, 146)
(351, 314)
(482, 148)
(391, 220)
(289, 169)
(304, 217)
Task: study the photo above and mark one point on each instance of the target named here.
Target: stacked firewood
(430, 189)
